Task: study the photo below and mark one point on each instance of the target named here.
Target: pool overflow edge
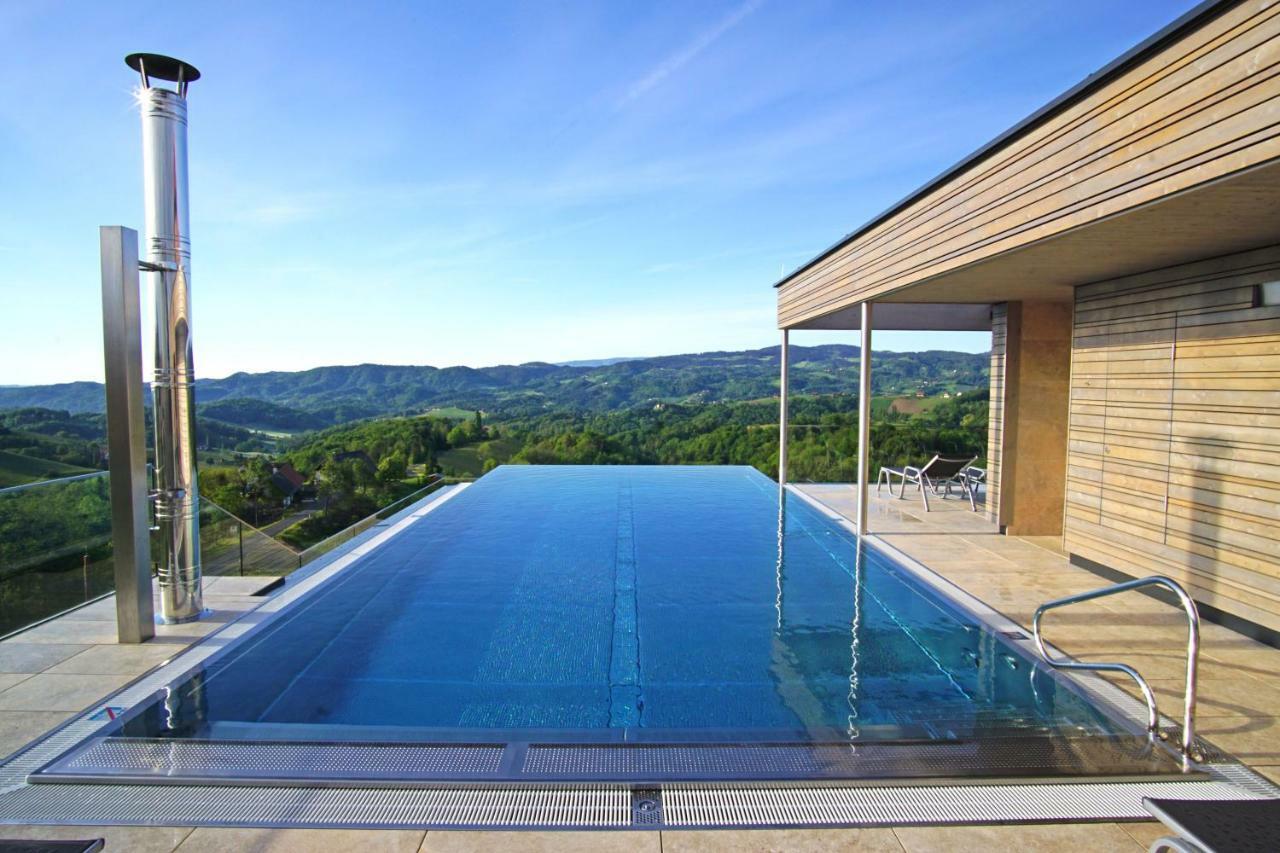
(645, 803)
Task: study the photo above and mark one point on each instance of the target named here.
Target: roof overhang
(1229, 215)
(909, 317)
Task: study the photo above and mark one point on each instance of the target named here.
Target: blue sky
(483, 183)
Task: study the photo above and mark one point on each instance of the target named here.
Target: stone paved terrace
(50, 673)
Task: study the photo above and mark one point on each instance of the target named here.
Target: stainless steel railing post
(1187, 742)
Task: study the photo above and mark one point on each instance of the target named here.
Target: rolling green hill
(17, 469)
(325, 396)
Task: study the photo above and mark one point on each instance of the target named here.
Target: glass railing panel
(231, 546)
(347, 534)
(55, 548)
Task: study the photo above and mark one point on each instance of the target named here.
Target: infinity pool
(630, 606)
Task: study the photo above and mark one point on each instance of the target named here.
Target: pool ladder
(1187, 743)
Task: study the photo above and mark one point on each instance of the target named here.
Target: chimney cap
(162, 67)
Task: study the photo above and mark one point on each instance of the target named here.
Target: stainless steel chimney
(166, 258)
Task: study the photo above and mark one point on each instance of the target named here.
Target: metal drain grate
(689, 807)
(646, 808)
(583, 807)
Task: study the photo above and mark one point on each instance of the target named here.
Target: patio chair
(976, 476)
(1240, 826)
(937, 475)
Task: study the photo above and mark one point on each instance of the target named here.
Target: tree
(392, 468)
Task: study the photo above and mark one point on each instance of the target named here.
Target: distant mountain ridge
(596, 362)
(307, 399)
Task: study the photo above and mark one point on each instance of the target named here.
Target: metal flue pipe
(166, 258)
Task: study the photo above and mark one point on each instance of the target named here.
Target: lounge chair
(937, 475)
(976, 477)
(1240, 826)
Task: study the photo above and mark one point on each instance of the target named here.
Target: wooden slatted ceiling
(1173, 461)
(1206, 106)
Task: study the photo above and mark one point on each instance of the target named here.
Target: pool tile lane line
(624, 665)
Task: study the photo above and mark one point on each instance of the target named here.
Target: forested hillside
(823, 442)
(296, 401)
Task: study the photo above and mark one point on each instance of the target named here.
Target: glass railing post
(126, 440)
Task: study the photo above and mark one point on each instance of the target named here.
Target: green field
(452, 413)
(16, 469)
(469, 461)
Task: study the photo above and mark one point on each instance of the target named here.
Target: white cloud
(688, 53)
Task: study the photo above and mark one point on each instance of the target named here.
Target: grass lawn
(469, 461)
(914, 405)
(452, 413)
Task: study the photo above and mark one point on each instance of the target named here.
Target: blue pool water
(624, 602)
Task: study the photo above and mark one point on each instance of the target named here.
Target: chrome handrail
(1193, 651)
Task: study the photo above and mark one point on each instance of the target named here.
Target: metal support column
(782, 409)
(864, 419)
(126, 434)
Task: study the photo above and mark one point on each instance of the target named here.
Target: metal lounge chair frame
(937, 475)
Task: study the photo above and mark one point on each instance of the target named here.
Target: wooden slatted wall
(1174, 444)
(1205, 106)
(995, 409)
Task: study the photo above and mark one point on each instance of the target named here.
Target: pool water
(625, 603)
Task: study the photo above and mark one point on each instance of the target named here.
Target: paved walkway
(52, 672)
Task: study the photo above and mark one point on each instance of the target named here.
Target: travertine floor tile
(542, 842)
(1146, 831)
(1076, 837)
(135, 839)
(780, 841)
(1253, 740)
(98, 611)
(1259, 661)
(35, 657)
(57, 692)
(82, 631)
(18, 728)
(117, 660)
(221, 840)
(236, 585)
(1271, 771)
(1220, 696)
(8, 679)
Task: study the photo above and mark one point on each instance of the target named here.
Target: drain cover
(646, 807)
